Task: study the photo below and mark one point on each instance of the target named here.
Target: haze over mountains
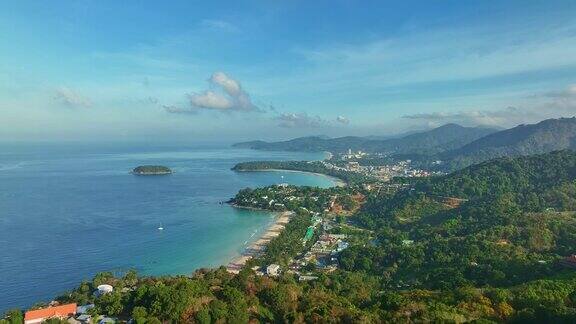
(449, 136)
(457, 145)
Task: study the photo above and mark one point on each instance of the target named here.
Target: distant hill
(534, 173)
(310, 144)
(545, 136)
(447, 137)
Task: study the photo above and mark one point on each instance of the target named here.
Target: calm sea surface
(70, 211)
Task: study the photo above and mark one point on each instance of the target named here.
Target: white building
(103, 289)
(273, 270)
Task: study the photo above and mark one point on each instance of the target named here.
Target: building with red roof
(40, 315)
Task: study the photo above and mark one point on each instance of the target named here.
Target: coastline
(257, 248)
(337, 181)
(172, 251)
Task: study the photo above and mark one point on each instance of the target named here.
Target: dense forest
(480, 245)
(500, 223)
(545, 136)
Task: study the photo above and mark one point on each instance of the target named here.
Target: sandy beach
(257, 248)
(337, 182)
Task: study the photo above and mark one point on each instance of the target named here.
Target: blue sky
(193, 70)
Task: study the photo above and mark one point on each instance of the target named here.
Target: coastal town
(320, 245)
(378, 166)
(310, 238)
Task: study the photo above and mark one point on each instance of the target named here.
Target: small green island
(151, 170)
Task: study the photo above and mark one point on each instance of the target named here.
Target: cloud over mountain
(543, 105)
(473, 117)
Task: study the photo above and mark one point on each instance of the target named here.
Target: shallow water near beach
(70, 211)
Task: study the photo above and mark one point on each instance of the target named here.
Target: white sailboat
(160, 228)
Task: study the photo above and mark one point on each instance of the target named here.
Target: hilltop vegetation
(511, 229)
(545, 136)
(523, 176)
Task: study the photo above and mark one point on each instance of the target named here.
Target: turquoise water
(70, 211)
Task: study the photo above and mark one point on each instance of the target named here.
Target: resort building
(273, 270)
(43, 314)
(103, 289)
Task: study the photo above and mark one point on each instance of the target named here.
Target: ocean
(68, 211)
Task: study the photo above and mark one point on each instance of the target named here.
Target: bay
(68, 211)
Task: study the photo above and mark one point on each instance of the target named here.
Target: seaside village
(377, 166)
(324, 239)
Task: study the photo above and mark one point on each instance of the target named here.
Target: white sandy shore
(257, 248)
(337, 182)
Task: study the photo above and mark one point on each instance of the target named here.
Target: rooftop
(56, 311)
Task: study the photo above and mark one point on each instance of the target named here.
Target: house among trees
(43, 314)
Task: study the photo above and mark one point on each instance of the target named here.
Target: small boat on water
(160, 228)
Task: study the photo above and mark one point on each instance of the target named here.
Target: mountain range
(457, 145)
(546, 136)
(443, 138)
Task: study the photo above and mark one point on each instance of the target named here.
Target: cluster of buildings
(383, 172)
(71, 313)
(322, 255)
(324, 252)
(353, 155)
(283, 197)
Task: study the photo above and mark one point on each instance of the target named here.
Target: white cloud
(567, 93)
(229, 85)
(211, 100)
(71, 98)
(299, 120)
(472, 117)
(561, 103)
(228, 96)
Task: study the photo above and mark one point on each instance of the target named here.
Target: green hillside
(545, 136)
